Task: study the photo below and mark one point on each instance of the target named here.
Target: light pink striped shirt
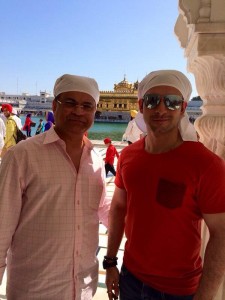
(49, 218)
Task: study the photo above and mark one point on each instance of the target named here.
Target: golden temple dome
(123, 86)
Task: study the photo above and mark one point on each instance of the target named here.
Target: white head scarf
(177, 80)
(74, 83)
(14, 111)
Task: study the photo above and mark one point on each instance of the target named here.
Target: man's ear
(140, 103)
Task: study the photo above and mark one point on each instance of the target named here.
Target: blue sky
(41, 40)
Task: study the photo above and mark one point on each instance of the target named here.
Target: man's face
(6, 113)
(74, 112)
(160, 119)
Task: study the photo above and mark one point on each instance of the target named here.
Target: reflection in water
(99, 131)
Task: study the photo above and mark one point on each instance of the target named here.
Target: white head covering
(177, 80)
(74, 83)
(14, 111)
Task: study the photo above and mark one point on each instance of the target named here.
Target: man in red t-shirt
(111, 152)
(166, 184)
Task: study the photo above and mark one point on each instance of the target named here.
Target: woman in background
(27, 125)
(50, 120)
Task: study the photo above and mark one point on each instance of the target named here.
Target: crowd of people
(53, 196)
(10, 121)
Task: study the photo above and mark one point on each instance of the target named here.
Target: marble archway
(200, 29)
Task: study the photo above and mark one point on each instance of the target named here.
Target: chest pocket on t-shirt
(170, 194)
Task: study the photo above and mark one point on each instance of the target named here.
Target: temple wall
(200, 29)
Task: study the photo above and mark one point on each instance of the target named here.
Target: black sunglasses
(172, 102)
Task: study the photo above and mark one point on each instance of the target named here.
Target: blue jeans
(133, 289)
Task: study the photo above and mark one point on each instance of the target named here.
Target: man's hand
(112, 283)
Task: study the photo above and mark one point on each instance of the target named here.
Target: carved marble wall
(200, 29)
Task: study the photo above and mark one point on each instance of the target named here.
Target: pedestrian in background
(40, 127)
(50, 120)
(111, 152)
(11, 129)
(132, 132)
(27, 125)
(2, 134)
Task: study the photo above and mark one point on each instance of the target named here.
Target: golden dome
(123, 86)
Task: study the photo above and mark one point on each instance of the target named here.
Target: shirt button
(78, 227)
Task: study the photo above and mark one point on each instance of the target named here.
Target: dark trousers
(133, 289)
(110, 168)
(28, 132)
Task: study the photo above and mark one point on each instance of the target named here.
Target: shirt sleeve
(119, 179)
(103, 211)
(211, 192)
(10, 204)
(105, 202)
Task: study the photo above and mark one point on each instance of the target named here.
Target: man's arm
(214, 260)
(117, 216)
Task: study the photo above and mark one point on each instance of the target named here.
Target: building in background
(114, 106)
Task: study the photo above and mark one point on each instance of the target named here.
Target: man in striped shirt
(52, 198)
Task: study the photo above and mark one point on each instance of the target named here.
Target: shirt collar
(51, 137)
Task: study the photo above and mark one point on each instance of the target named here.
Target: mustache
(76, 118)
(161, 118)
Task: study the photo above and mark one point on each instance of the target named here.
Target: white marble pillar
(200, 29)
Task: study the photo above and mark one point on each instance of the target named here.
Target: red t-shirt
(167, 194)
(111, 152)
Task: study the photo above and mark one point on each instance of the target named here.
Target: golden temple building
(116, 104)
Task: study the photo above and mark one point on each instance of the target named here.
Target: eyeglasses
(70, 103)
(172, 102)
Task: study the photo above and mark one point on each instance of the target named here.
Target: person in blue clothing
(40, 127)
(50, 120)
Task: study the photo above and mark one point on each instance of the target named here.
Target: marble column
(200, 29)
